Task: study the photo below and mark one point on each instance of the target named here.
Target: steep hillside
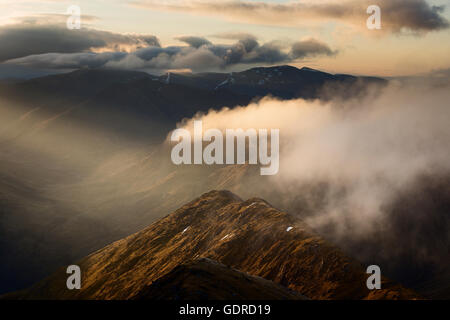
(250, 236)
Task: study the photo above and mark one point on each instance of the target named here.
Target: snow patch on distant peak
(230, 80)
(289, 229)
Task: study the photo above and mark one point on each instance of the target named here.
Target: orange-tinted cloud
(398, 15)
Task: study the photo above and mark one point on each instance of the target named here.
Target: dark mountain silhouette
(250, 236)
(140, 105)
(285, 82)
(206, 279)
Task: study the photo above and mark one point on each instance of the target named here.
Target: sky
(226, 35)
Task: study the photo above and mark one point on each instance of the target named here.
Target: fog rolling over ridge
(366, 152)
(371, 174)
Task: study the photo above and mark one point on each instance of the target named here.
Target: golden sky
(414, 38)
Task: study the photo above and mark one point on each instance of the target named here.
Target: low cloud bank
(371, 148)
(52, 46)
(359, 174)
(35, 38)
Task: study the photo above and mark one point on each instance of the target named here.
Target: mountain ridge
(250, 236)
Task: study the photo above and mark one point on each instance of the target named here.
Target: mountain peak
(250, 236)
(220, 194)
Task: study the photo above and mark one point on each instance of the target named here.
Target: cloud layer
(365, 152)
(398, 15)
(31, 36)
(373, 175)
(55, 48)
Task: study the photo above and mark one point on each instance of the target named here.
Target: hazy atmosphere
(91, 92)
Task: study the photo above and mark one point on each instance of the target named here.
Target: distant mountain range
(166, 260)
(143, 106)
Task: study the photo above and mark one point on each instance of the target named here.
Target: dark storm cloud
(20, 40)
(199, 55)
(309, 48)
(195, 42)
(398, 15)
(415, 15)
